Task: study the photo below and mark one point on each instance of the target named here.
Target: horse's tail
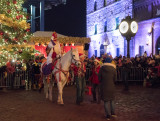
(41, 85)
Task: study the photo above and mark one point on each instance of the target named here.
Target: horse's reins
(63, 71)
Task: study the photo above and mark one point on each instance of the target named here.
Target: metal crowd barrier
(16, 79)
(23, 78)
(134, 74)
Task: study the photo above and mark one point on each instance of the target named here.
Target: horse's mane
(66, 55)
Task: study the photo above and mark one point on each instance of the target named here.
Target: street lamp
(128, 28)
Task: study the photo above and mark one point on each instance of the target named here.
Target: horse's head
(75, 57)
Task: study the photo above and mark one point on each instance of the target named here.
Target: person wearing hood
(107, 76)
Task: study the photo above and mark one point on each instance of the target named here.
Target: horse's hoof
(46, 96)
(60, 103)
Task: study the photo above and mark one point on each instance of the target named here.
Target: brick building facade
(104, 17)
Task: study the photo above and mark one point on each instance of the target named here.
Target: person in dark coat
(125, 73)
(107, 76)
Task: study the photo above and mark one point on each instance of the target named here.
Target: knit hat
(81, 55)
(97, 60)
(41, 58)
(107, 60)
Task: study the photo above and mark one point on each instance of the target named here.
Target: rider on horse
(52, 53)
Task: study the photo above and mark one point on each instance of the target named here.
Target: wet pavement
(139, 104)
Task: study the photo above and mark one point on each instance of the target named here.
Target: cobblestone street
(139, 104)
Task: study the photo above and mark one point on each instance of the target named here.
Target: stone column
(42, 3)
(33, 18)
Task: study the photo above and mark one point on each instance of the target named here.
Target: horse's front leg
(60, 88)
(46, 87)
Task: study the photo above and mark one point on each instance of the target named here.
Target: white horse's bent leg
(50, 91)
(45, 87)
(46, 92)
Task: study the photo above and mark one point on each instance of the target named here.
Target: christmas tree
(14, 30)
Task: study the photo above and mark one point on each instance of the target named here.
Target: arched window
(95, 53)
(101, 50)
(117, 22)
(105, 26)
(118, 52)
(141, 50)
(95, 29)
(95, 5)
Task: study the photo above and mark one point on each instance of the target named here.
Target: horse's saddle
(47, 69)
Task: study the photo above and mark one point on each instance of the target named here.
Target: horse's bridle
(74, 59)
(63, 71)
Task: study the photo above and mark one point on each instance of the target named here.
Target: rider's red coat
(54, 55)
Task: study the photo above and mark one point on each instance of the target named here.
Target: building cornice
(103, 8)
(141, 3)
(149, 21)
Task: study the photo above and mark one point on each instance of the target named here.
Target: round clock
(123, 27)
(134, 27)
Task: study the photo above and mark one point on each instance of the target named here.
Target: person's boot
(34, 86)
(108, 117)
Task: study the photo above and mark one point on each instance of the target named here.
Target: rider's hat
(53, 40)
(54, 36)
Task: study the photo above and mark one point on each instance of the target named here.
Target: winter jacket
(94, 77)
(107, 76)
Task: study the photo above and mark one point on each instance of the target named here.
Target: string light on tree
(14, 29)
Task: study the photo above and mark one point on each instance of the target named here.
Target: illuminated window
(105, 26)
(95, 6)
(101, 50)
(117, 22)
(141, 50)
(118, 52)
(95, 29)
(95, 53)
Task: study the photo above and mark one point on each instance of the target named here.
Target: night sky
(69, 19)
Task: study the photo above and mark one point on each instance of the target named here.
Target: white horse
(61, 72)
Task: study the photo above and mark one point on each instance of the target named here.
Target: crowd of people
(150, 65)
(100, 72)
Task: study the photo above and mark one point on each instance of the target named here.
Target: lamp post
(128, 28)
